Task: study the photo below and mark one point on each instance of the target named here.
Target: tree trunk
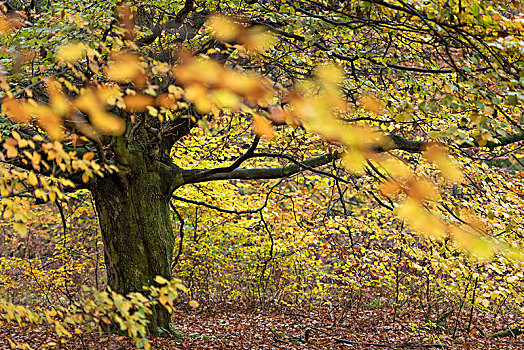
(135, 221)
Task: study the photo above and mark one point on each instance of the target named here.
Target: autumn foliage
(333, 160)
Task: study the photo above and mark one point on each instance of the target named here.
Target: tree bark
(135, 222)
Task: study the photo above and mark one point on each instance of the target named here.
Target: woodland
(262, 174)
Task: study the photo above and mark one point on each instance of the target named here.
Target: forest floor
(324, 329)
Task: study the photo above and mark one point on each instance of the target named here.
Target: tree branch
(176, 24)
(194, 176)
(391, 142)
(188, 6)
(404, 144)
(235, 165)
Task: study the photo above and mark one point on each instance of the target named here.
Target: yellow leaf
(223, 28)
(10, 146)
(160, 280)
(87, 101)
(22, 143)
(226, 99)
(396, 168)
(330, 75)
(71, 53)
(257, 38)
(59, 102)
(20, 228)
(32, 179)
(482, 248)
(7, 213)
(193, 303)
(437, 155)
(106, 122)
(165, 300)
(7, 24)
(420, 219)
(39, 193)
(48, 120)
(191, 72)
(372, 104)
(85, 177)
(16, 110)
(263, 127)
(421, 190)
(390, 188)
(108, 94)
(472, 242)
(125, 67)
(198, 94)
(152, 111)
(172, 89)
(354, 160)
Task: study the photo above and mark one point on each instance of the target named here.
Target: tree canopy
(394, 122)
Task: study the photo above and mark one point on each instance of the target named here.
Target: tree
(98, 96)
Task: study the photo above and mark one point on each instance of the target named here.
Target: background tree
(117, 94)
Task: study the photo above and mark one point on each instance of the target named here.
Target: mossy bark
(135, 222)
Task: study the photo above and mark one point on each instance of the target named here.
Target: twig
(460, 308)
(472, 304)
(271, 254)
(229, 211)
(237, 162)
(397, 282)
(210, 206)
(275, 335)
(63, 218)
(181, 234)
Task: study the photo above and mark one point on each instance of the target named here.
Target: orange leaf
(372, 104)
(138, 103)
(263, 127)
(88, 156)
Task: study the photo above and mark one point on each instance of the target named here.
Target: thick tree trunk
(135, 221)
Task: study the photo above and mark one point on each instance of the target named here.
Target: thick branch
(404, 144)
(393, 142)
(206, 173)
(193, 176)
(177, 24)
(188, 6)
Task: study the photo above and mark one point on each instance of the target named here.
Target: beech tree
(97, 94)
